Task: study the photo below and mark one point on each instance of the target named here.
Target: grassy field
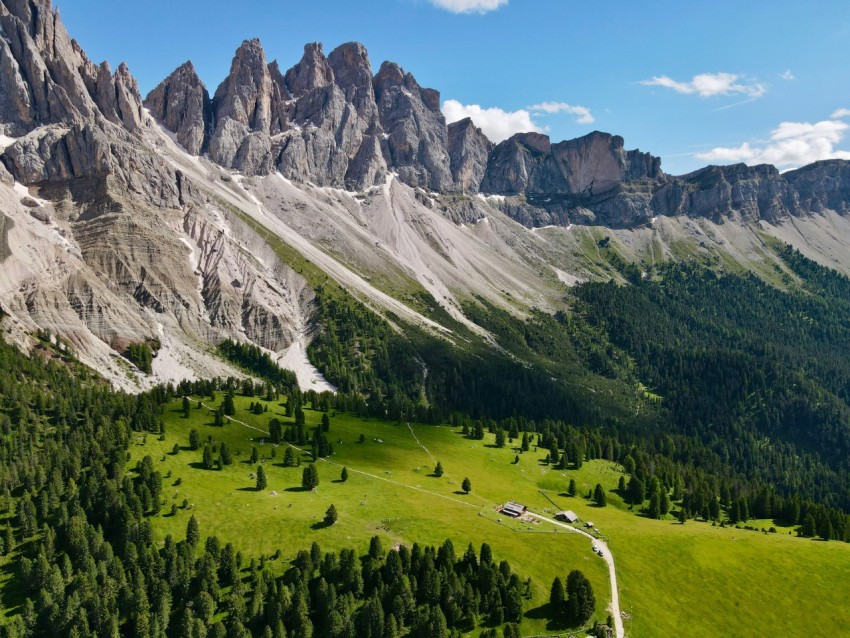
(693, 578)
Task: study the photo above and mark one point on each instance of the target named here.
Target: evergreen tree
(654, 510)
(331, 515)
(557, 597)
(262, 483)
(599, 496)
(186, 407)
(224, 454)
(288, 457)
(194, 439)
(466, 485)
(193, 532)
(343, 476)
(581, 602)
(227, 405)
(636, 491)
(572, 490)
(500, 438)
(664, 504)
(309, 477)
(438, 470)
(208, 461)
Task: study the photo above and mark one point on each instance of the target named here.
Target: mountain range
(185, 218)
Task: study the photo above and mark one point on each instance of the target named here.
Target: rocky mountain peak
(245, 95)
(311, 72)
(352, 72)
(469, 150)
(417, 136)
(181, 102)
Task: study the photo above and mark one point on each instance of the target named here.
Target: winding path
(614, 607)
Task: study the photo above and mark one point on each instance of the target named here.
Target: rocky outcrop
(416, 145)
(751, 192)
(469, 150)
(333, 119)
(822, 185)
(182, 103)
(528, 163)
(242, 109)
(312, 72)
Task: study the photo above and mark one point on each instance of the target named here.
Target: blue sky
(693, 82)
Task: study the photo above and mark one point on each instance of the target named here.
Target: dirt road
(614, 608)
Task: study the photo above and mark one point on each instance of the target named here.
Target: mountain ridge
(185, 218)
(412, 139)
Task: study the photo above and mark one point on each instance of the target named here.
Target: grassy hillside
(709, 580)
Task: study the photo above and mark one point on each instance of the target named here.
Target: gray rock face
(39, 77)
(417, 137)
(117, 96)
(753, 192)
(243, 105)
(822, 185)
(469, 150)
(333, 139)
(528, 163)
(312, 72)
(245, 96)
(181, 102)
(279, 100)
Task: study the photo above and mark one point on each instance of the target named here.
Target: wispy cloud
(787, 75)
(583, 113)
(469, 6)
(790, 145)
(497, 124)
(710, 85)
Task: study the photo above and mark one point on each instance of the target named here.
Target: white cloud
(469, 6)
(787, 75)
(840, 114)
(498, 125)
(584, 114)
(710, 84)
(791, 144)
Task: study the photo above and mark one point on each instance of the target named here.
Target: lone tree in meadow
(573, 488)
(438, 471)
(262, 482)
(310, 477)
(343, 476)
(185, 407)
(599, 496)
(194, 440)
(331, 515)
(466, 485)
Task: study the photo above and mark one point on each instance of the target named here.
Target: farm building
(569, 516)
(514, 509)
